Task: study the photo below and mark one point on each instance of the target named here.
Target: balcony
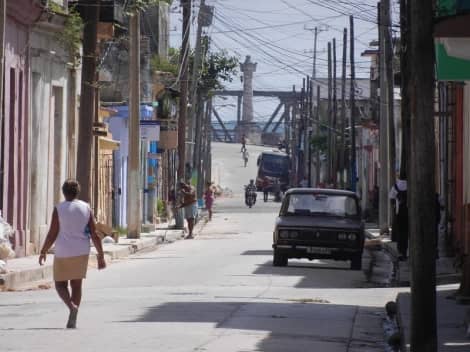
(111, 11)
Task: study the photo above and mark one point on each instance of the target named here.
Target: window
(321, 204)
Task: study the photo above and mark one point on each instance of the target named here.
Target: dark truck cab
(319, 224)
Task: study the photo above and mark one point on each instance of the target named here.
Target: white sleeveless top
(73, 239)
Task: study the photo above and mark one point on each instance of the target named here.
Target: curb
(401, 330)
(15, 279)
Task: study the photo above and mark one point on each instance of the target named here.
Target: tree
(217, 68)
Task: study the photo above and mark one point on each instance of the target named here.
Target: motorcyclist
(250, 189)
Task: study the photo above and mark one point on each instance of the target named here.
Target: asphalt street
(218, 292)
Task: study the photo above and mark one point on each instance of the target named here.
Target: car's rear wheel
(356, 262)
(279, 259)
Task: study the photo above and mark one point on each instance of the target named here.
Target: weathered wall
(15, 161)
(118, 128)
(49, 121)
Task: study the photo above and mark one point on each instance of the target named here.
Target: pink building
(21, 14)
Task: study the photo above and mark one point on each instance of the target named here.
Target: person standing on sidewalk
(189, 205)
(71, 228)
(209, 198)
(265, 186)
(304, 182)
(398, 193)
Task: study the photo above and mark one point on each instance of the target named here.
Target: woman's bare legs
(63, 291)
(76, 286)
(72, 301)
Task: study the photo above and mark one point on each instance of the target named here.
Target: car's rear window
(320, 204)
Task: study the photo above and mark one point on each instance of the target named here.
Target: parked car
(319, 223)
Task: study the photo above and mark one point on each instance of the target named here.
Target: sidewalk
(26, 270)
(450, 316)
(451, 329)
(445, 271)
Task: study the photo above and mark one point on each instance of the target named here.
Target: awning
(450, 67)
(108, 143)
(122, 111)
(107, 112)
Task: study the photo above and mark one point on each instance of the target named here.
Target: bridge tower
(247, 125)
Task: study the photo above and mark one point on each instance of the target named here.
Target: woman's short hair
(71, 188)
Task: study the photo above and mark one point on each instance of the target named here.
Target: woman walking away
(209, 198)
(72, 226)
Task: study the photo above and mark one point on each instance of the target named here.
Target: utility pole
(287, 127)
(405, 87)
(334, 154)
(316, 31)
(208, 153)
(184, 60)
(134, 189)
(90, 13)
(303, 127)
(3, 13)
(330, 108)
(294, 148)
(195, 125)
(421, 194)
(384, 145)
(343, 108)
(353, 107)
(317, 156)
(388, 51)
(314, 70)
(310, 131)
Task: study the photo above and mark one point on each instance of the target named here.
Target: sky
(278, 35)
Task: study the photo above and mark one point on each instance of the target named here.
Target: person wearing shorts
(209, 198)
(189, 206)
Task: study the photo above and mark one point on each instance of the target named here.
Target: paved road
(216, 293)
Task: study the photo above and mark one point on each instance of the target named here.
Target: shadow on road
(281, 327)
(258, 252)
(318, 274)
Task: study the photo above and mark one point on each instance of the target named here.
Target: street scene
(215, 175)
(217, 292)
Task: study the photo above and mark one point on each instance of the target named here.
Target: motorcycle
(250, 197)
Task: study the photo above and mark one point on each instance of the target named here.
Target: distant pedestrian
(71, 228)
(209, 198)
(189, 205)
(265, 186)
(398, 193)
(243, 142)
(303, 183)
(245, 157)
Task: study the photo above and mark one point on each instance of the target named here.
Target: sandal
(72, 322)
